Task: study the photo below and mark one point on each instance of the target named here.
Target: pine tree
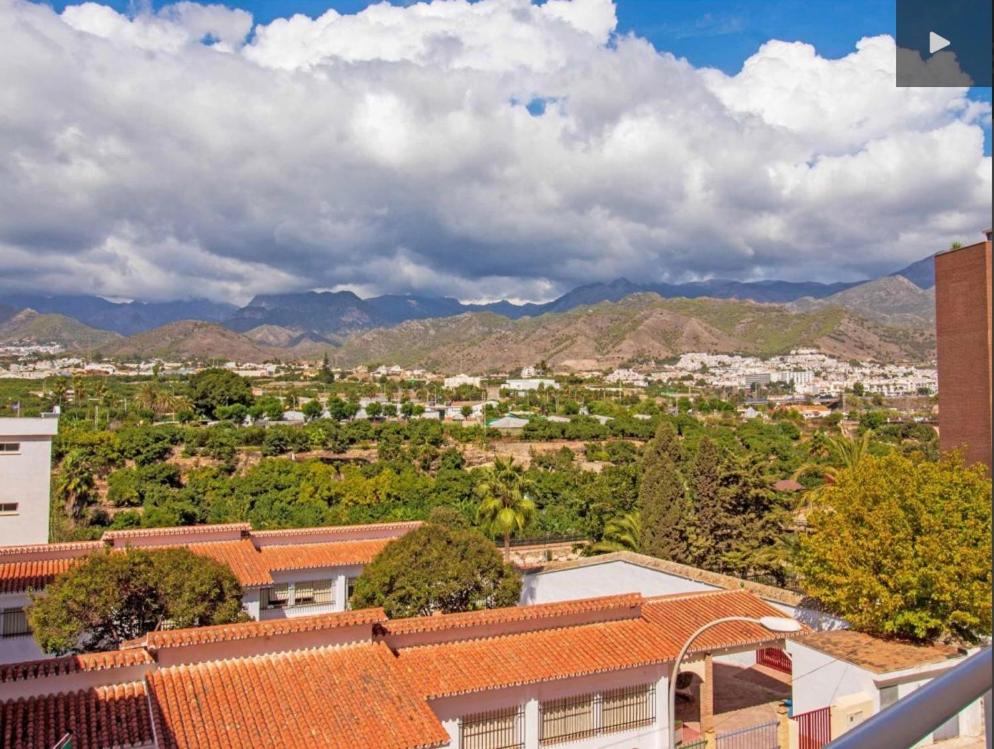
(662, 499)
(713, 529)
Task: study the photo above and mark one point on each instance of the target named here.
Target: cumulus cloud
(182, 152)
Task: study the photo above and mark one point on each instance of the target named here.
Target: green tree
(325, 374)
(662, 498)
(437, 568)
(210, 389)
(374, 409)
(713, 529)
(901, 547)
(76, 484)
(505, 506)
(112, 597)
(312, 410)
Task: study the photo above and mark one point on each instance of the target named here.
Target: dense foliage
(901, 547)
(112, 597)
(437, 568)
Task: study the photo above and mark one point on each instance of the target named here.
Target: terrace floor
(743, 697)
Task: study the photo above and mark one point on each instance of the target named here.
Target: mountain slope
(31, 327)
(921, 274)
(190, 340)
(121, 317)
(639, 327)
(891, 300)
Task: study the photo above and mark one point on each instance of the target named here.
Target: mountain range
(893, 313)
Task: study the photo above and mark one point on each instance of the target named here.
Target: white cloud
(391, 150)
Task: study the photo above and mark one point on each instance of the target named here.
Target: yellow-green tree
(901, 547)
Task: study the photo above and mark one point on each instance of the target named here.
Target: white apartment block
(25, 470)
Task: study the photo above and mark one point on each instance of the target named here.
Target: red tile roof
(116, 716)
(17, 577)
(241, 556)
(334, 698)
(329, 554)
(172, 638)
(179, 530)
(474, 665)
(70, 664)
(534, 612)
(29, 549)
(405, 526)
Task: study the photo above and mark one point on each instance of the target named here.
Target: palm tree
(505, 507)
(75, 483)
(623, 533)
(847, 452)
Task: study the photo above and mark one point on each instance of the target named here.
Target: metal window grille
(313, 592)
(775, 658)
(814, 728)
(762, 736)
(495, 729)
(324, 591)
(567, 719)
(626, 708)
(15, 623)
(697, 744)
(276, 597)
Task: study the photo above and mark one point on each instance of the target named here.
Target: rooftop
(877, 654)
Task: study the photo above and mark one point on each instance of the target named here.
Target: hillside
(31, 327)
(190, 340)
(639, 327)
(891, 300)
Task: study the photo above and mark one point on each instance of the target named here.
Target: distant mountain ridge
(29, 327)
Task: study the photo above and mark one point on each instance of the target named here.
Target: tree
(847, 453)
(325, 374)
(623, 533)
(76, 484)
(437, 568)
(312, 410)
(113, 596)
(505, 507)
(212, 388)
(901, 547)
(662, 498)
(374, 409)
(466, 411)
(713, 528)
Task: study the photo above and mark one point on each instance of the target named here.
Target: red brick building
(963, 340)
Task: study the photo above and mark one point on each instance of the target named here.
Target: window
(349, 590)
(631, 707)
(15, 623)
(497, 729)
(8, 508)
(10, 447)
(312, 593)
(276, 597)
(567, 719)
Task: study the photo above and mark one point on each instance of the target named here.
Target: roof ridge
(278, 532)
(69, 664)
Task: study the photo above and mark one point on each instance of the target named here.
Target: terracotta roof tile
(28, 549)
(115, 716)
(70, 664)
(241, 556)
(17, 577)
(334, 698)
(171, 638)
(330, 554)
(875, 653)
(534, 612)
(180, 530)
(405, 526)
(473, 665)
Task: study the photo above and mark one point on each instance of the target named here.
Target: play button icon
(936, 42)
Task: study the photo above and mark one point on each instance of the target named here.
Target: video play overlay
(944, 43)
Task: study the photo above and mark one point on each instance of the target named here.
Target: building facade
(963, 343)
(25, 470)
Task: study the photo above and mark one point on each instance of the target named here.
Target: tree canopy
(901, 547)
(116, 596)
(437, 568)
(211, 389)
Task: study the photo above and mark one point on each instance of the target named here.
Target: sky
(481, 150)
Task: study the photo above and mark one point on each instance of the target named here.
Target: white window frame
(16, 508)
(5, 451)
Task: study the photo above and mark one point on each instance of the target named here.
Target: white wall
(24, 479)
(655, 736)
(607, 579)
(820, 679)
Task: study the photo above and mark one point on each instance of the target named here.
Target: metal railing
(762, 736)
(914, 717)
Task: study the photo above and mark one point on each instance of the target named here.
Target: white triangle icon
(936, 42)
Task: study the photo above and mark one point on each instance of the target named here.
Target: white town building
(25, 470)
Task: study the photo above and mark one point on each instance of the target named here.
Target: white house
(851, 676)
(460, 379)
(25, 470)
(283, 573)
(527, 385)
